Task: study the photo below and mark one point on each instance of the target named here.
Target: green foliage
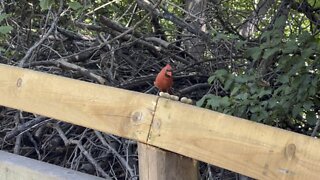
(314, 3)
(3, 17)
(4, 29)
(293, 93)
(45, 4)
(75, 5)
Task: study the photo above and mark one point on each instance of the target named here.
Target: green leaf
(290, 47)
(307, 105)
(240, 44)
(297, 66)
(255, 109)
(287, 90)
(214, 101)
(5, 29)
(296, 110)
(314, 3)
(228, 84)
(242, 96)
(263, 116)
(312, 91)
(284, 63)
(220, 36)
(306, 53)
(304, 37)
(221, 74)
(211, 79)
(201, 102)
(280, 22)
(241, 79)
(272, 103)
(311, 117)
(314, 82)
(275, 42)
(254, 89)
(75, 5)
(269, 52)
(225, 101)
(296, 82)
(266, 34)
(263, 93)
(283, 79)
(240, 111)
(254, 52)
(45, 4)
(3, 16)
(235, 90)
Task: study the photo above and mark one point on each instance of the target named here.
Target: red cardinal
(164, 79)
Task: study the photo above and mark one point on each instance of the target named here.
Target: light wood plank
(15, 167)
(243, 146)
(158, 164)
(253, 149)
(111, 110)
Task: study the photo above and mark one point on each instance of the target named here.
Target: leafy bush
(289, 96)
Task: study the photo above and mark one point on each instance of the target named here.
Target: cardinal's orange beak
(168, 73)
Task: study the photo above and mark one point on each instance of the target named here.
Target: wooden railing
(243, 146)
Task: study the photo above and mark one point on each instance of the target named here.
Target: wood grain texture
(249, 148)
(158, 164)
(252, 149)
(15, 167)
(120, 112)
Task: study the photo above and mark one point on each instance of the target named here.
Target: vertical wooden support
(157, 164)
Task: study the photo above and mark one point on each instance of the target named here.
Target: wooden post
(157, 164)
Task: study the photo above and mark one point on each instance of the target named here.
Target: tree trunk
(196, 18)
(249, 27)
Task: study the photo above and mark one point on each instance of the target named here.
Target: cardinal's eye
(166, 74)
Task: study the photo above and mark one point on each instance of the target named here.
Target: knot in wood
(19, 82)
(136, 117)
(156, 124)
(290, 151)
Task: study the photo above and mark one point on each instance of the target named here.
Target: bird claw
(168, 96)
(186, 100)
(175, 98)
(165, 95)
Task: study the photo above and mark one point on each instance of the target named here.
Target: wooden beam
(14, 167)
(252, 149)
(120, 112)
(243, 146)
